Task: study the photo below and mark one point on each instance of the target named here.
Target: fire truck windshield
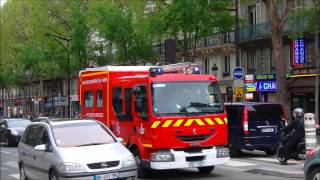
(187, 98)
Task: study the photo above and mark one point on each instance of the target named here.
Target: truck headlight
(71, 167)
(13, 132)
(162, 157)
(129, 161)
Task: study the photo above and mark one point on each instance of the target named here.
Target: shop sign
(249, 78)
(311, 71)
(238, 73)
(265, 77)
(239, 92)
(251, 87)
(298, 51)
(249, 96)
(266, 86)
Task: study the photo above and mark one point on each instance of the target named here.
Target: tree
(277, 22)
(120, 24)
(189, 20)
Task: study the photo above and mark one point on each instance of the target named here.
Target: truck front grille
(102, 165)
(193, 138)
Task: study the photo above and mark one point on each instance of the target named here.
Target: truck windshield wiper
(89, 144)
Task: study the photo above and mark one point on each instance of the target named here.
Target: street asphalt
(251, 165)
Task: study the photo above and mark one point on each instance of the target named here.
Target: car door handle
(34, 157)
(23, 153)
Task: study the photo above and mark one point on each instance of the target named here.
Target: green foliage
(104, 31)
(189, 20)
(302, 22)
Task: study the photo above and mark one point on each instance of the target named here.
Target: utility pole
(317, 62)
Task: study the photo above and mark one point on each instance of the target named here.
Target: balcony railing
(260, 31)
(215, 40)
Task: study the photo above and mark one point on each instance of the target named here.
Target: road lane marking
(239, 163)
(4, 151)
(16, 176)
(12, 164)
(3, 168)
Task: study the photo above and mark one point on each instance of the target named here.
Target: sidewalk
(294, 169)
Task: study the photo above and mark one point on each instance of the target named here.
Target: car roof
(250, 103)
(16, 119)
(63, 121)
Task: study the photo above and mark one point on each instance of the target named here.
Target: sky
(2, 2)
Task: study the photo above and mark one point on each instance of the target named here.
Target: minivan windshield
(81, 134)
(187, 97)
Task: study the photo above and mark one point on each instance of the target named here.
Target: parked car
(254, 126)
(80, 149)
(40, 118)
(312, 165)
(11, 130)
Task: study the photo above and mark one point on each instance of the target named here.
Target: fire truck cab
(168, 116)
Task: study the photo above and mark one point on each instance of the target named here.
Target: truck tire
(206, 170)
(142, 172)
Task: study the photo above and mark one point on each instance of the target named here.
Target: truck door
(141, 112)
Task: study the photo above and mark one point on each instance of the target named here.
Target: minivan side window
(31, 136)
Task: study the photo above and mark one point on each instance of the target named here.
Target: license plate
(267, 130)
(106, 176)
(196, 164)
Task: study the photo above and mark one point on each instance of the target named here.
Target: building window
(226, 69)
(99, 99)
(88, 99)
(206, 65)
(117, 100)
(250, 64)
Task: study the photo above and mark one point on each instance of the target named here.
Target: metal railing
(215, 40)
(260, 31)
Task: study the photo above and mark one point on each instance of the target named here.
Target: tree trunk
(277, 23)
(185, 47)
(282, 88)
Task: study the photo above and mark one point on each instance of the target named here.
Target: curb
(287, 174)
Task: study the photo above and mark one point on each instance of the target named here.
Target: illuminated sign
(265, 77)
(298, 52)
(267, 86)
(251, 87)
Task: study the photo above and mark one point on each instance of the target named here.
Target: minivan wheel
(53, 175)
(142, 172)
(234, 152)
(22, 173)
(206, 170)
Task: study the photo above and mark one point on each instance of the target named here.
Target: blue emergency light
(156, 71)
(184, 68)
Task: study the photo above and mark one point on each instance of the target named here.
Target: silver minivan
(73, 149)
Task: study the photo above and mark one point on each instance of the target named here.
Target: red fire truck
(169, 116)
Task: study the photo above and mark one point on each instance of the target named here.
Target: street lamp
(68, 72)
(214, 69)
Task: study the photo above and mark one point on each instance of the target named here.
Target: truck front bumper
(184, 159)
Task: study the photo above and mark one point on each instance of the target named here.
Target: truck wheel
(233, 151)
(206, 170)
(142, 172)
